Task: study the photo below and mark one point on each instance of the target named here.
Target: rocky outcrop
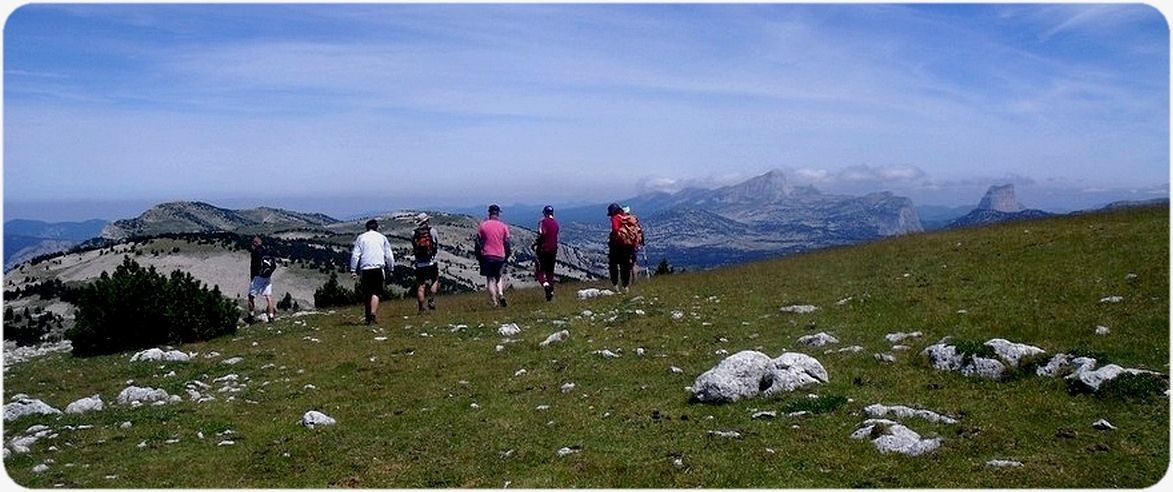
(1000, 199)
(999, 204)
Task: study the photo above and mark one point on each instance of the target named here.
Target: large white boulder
(27, 406)
(737, 376)
(791, 371)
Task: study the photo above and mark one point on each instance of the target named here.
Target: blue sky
(343, 108)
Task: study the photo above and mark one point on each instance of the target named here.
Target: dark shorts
(371, 282)
(492, 267)
(430, 273)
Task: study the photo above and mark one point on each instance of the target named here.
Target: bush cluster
(31, 328)
(137, 308)
(333, 294)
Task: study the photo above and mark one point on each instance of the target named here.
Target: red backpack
(630, 233)
(423, 245)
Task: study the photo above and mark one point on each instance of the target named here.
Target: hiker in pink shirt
(492, 249)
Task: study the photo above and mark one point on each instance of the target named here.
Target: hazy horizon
(111, 108)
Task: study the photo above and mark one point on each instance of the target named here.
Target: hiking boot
(503, 303)
(248, 320)
(432, 303)
(549, 293)
(371, 320)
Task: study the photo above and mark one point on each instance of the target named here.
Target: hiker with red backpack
(626, 237)
(546, 251)
(492, 249)
(425, 244)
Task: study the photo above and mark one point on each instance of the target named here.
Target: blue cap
(548, 210)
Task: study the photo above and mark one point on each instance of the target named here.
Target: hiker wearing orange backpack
(626, 237)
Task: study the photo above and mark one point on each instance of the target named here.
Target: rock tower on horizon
(1001, 199)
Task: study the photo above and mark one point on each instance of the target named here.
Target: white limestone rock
(592, 293)
(737, 376)
(799, 308)
(1090, 380)
(901, 336)
(1103, 425)
(27, 406)
(314, 418)
(509, 330)
(134, 395)
(791, 371)
(152, 355)
(890, 437)
(900, 411)
(817, 340)
(1004, 464)
(88, 404)
(945, 357)
(558, 337)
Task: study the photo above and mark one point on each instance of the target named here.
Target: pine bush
(136, 308)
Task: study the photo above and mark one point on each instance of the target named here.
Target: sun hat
(421, 218)
(494, 209)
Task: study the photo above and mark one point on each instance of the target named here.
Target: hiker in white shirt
(371, 261)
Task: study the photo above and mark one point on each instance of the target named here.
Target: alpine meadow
(470, 396)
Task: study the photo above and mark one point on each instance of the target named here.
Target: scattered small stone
(817, 340)
(1111, 299)
(568, 387)
(89, 404)
(226, 443)
(726, 434)
(1103, 330)
(1003, 463)
(799, 308)
(126, 425)
(606, 353)
(900, 411)
(885, 358)
(159, 355)
(890, 437)
(232, 361)
(567, 451)
(41, 468)
(314, 418)
(765, 414)
(592, 293)
(509, 329)
(1103, 425)
(676, 370)
(557, 337)
(901, 336)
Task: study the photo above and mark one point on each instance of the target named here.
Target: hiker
(260, 269)
(425, 244)
(492, 249)
(546, 250)
(626, 237)
(369, 259)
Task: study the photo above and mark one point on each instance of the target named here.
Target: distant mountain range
(761, 217)
(27, 239)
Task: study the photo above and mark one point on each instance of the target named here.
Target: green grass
(405, 410)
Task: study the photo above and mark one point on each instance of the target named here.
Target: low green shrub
(136, 308)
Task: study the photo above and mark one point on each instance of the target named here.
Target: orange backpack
(630, 233)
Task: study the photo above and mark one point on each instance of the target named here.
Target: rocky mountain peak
(1000, 199)
(769, 187)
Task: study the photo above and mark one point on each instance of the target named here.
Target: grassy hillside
(441, 401)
